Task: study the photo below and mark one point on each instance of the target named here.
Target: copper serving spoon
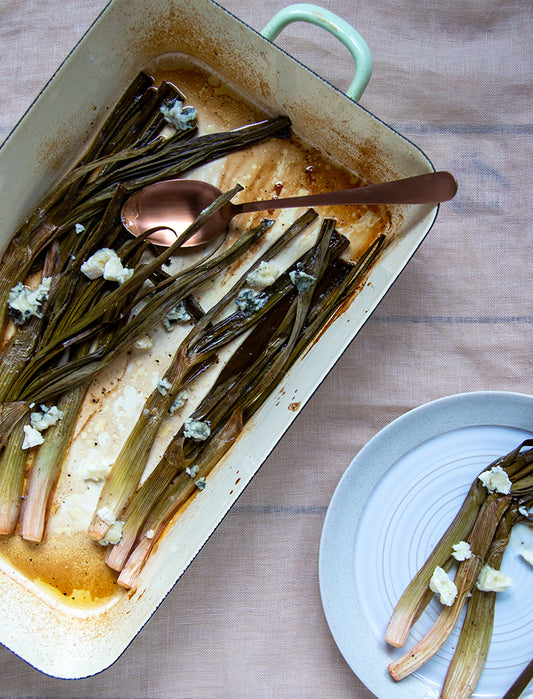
(172, 205)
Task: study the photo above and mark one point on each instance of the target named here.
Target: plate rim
(358, 646)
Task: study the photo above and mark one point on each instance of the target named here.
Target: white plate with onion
(390, 508)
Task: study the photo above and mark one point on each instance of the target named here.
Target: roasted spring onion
(82, 324)
(484, 521)
(241, 387)
(476, 632)
(199, 346)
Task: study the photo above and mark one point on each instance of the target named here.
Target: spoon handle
(431, 188)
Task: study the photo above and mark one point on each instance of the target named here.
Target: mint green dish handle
(344, 32)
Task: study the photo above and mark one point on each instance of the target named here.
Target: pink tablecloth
(246, 621)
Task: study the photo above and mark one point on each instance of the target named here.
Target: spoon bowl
(172, 205)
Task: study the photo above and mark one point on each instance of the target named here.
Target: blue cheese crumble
(144, 343)
(496, 480)
(179, 401)
(248, 302)
(179, 314)
(107, 264)
(178, 116)
(301, 280)
(45, 418)
(492, 580)
(444, 586)
(196, 429)
(32, 437)
(192, 471)
(114, 534)
(97, 473)
(40, 421)
(107, 516)
(163, 386)
(79, 228)
(461, 551)
(23, 302)
(200, 483)
(265, 275)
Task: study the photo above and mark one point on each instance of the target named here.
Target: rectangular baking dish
(75, 640)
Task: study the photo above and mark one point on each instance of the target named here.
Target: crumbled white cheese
(79, 228)
(249, 302)
(114, 534)
(442, 585)
(32, 437)
(163, 386)
(462, 551)
(265, 275)
(301, 280)
(107, 264)
(150, 534)
(521, 541)
(192, 471)
(115, 272)
(496, 480)
(200, 483)
(97, 472)
(179, 401)
(196, 429)
(527, 555)
(178, 314)
(46, 418)
(144, 343)
(23, 302)
(178, 116)
(107, 515)
(95, 265)
(523, 511)
(492, 580)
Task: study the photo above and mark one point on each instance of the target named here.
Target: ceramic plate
(390, 508)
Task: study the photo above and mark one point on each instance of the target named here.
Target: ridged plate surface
(390, 508)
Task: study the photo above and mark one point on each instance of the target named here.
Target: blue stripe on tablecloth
(288, 509)
(453, 320)
(466, 129)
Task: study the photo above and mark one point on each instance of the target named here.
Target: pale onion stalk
(417, 595)
(467, 574)
(46, 467)
(171, 463)
(295, 318)
(474, 641)
(12, 480)
(176, 495)
(128, 467)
